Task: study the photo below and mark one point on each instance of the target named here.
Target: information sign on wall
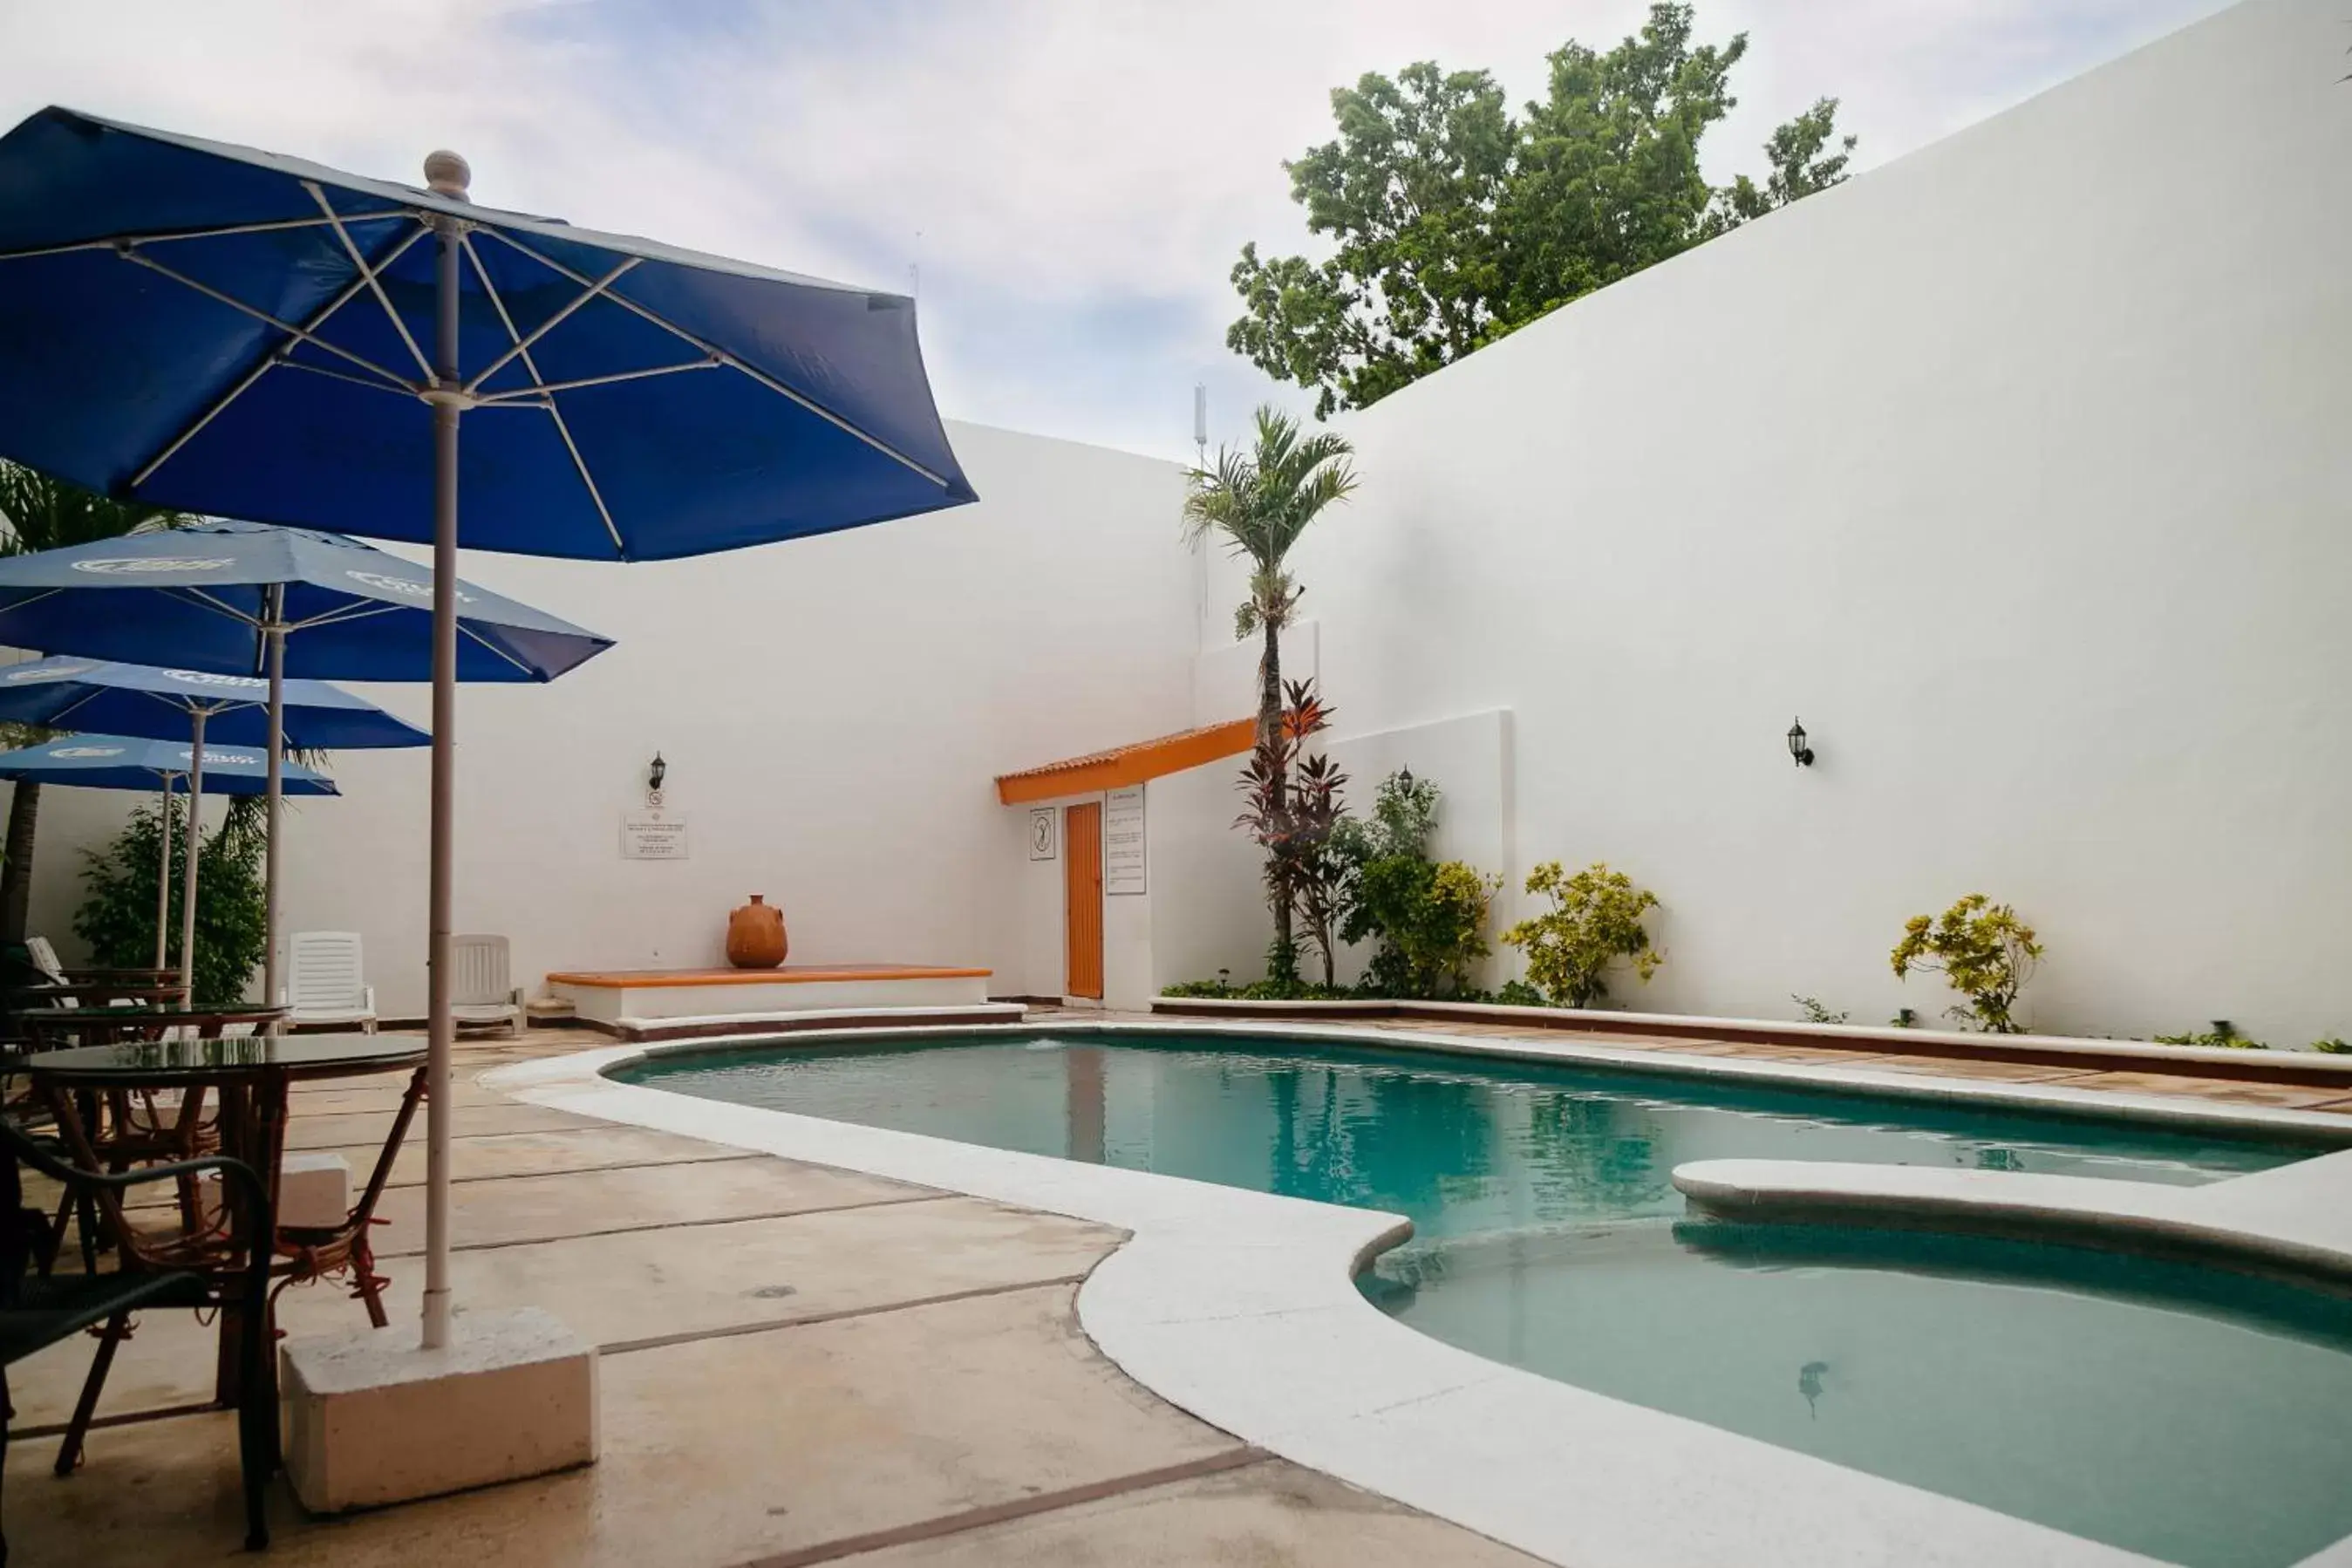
(1042, 832)
(1123, 867)
(653, 835)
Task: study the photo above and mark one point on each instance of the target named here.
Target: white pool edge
(1241, 1308)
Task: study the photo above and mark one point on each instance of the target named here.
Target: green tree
(1454, 223)
(1594, 920)
(1261, 502)
(1427, 918)
(1983, 949)
(43, 513)
(117, 916)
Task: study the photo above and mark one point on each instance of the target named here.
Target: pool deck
(802, 1364)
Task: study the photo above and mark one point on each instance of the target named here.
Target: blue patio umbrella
(233, 331)
(142, 700)
(118, 698)
(249, 601)
(173, 767)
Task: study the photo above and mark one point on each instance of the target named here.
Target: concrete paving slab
(335, 1130)
(620, 1289)
(1271, 1515)
(717, 1453)
(496, 1155)
(636, 1197)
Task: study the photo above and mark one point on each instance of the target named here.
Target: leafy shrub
(1519, 994)
(2223, 1034)
(1595, 920)
(117, 917)
(1428, 918)
(1983, 949)
(1292, 809)
(2332, 1047)
(1197, 988)
(1905, 1019)
(1815, 1013)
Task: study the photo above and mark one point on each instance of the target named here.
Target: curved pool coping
(1242, 1309)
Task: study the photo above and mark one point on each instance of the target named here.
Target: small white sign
(1041, 845)
(653, 835)
(1123, 867)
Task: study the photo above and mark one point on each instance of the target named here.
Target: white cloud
(1073, 178)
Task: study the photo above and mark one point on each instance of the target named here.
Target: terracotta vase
(755, 935)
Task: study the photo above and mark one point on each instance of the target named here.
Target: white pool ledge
(2296, 1217)
(1241, 1308)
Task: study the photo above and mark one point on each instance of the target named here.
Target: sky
(1063, 183)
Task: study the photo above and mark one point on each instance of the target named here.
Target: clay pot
(755, 935)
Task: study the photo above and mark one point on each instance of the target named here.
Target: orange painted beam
(790, 974)
(1125, 766)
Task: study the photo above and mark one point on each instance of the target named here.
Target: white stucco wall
(2018, 468)
(833, 710)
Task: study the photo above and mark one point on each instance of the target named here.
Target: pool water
(2189, 1414)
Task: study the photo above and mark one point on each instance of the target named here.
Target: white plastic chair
(483, 992)
(326, 981)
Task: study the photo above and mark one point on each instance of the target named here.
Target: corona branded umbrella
(233, 332)
(127, 761)
(161, 704)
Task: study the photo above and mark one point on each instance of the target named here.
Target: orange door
(1083, 902)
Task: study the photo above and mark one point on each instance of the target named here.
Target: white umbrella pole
(274, 599)
(163, 882)
(195, 842)
(441, 1030)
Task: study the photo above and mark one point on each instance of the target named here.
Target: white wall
(833, 712)
(2018, 467)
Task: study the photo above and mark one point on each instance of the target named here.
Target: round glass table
(87, 1088)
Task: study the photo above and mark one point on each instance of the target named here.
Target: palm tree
(42, 513)
(1261, 500)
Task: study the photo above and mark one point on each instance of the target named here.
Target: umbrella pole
(194, 842)
(275, 600)
(441, 1031)
(163, 882)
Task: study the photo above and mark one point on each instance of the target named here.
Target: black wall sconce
(1797, 747)
(657, 773)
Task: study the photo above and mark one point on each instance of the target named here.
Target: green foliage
(2223, 1034)
(2332, 1047)
(1452, 222)
(1519, 994)
(1293, 810)
(1594, 921)
(1814, 1012)
(1428, 918)
(1983, 949)
(1197, 988)
(1261, 502)
(117, 917)
(1905, 1019)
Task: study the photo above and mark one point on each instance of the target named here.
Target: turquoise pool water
(2189, 1414)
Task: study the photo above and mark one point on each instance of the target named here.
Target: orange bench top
(790, 974)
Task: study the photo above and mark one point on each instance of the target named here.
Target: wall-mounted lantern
(657, 773)
(1797, 747)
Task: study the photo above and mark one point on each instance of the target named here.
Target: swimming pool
(2184, 1413)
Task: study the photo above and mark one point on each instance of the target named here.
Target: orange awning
(1125, 766)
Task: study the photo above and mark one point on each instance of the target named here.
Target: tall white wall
(833, 712)
(2018, 468)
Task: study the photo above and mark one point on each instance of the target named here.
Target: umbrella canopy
(126, 762)
(232, 331)
(141, 700)
(199, 598)
(642, 401)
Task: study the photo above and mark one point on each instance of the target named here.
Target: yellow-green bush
(1595, 920)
